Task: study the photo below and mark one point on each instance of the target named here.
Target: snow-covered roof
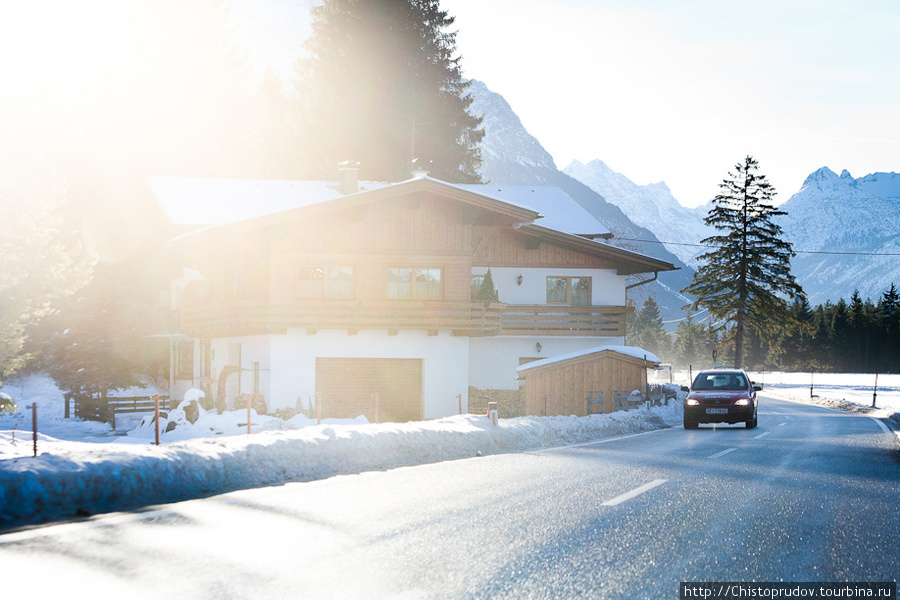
(559, 210)
(632, 351)
(194, 201)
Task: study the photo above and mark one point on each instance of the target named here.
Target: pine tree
(40, 261)
(691, 344)
(648, 332)
(381, 86)
(747, 276)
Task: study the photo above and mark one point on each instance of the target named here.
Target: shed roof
(629, 351)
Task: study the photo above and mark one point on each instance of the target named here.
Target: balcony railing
(250, 317)
(255, 318)
(548, 320)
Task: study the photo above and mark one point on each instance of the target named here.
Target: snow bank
(91, 478)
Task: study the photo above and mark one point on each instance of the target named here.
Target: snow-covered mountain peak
(856, 218)
(507, 147)
(651, 206)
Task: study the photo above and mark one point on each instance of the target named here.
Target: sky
(678, 91)
(659, 90)
(681, 91)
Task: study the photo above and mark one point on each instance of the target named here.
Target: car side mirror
(685, 388)
(757, 388)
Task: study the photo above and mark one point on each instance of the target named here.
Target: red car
(721, 396)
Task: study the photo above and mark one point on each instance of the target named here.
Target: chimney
(349, 172)
(419, 169)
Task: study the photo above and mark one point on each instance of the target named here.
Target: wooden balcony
(254, 317)
(553, 320)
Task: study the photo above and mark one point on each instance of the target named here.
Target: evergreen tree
(745, 277)
(40, 262)
(648, 332)
(381, 86)
(691, 344)
(487, 293)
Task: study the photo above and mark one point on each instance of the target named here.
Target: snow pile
(86, 478)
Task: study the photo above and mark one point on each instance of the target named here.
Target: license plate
(717, 411)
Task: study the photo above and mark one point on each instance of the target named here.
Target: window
(419, 283)
(326, 282)
(575, 291)
(184, 359)
(477, 280)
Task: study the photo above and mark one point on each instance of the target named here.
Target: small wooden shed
(561, 385)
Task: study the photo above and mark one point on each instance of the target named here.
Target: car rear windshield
(720, 381)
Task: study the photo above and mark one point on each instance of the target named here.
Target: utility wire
(795, 251)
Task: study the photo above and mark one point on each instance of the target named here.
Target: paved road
(810, 495)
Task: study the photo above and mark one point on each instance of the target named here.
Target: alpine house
(363, 297)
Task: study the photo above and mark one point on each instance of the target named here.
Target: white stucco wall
(493, 360)
(445, 363)
(607, 287)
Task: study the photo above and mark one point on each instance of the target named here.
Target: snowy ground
(844, 391)
(83, 468)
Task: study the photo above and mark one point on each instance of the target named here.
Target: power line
(795, 251)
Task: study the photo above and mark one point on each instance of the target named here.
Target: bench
(134, 405)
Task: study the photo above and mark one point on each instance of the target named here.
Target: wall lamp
(520, 279)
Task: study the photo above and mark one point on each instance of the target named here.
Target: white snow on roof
(632, 351)
(197, 201)
(560, 211)
(193, 201)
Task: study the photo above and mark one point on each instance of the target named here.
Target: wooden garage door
(346, 387)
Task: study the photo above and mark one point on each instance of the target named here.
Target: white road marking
(881, 424)
(763, 434)
(722, 453)
(635, 492)
(782, 424)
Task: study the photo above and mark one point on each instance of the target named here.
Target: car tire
(751, 423)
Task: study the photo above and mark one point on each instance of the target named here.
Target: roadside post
(493, 413)
(34, 425)
(156, 412)
(875, 390)
(812, 376)
(249, 406)
(459, 397)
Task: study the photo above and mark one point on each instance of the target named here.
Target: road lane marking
(722, 453)
(881, 424)
(635, 492)
(782, 424)
(763, 434)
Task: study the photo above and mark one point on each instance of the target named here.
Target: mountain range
(845, 230)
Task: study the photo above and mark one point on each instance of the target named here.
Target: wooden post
(156, 411)
(646, 382)
(249, 406)
(34, 425)
(460, 403)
